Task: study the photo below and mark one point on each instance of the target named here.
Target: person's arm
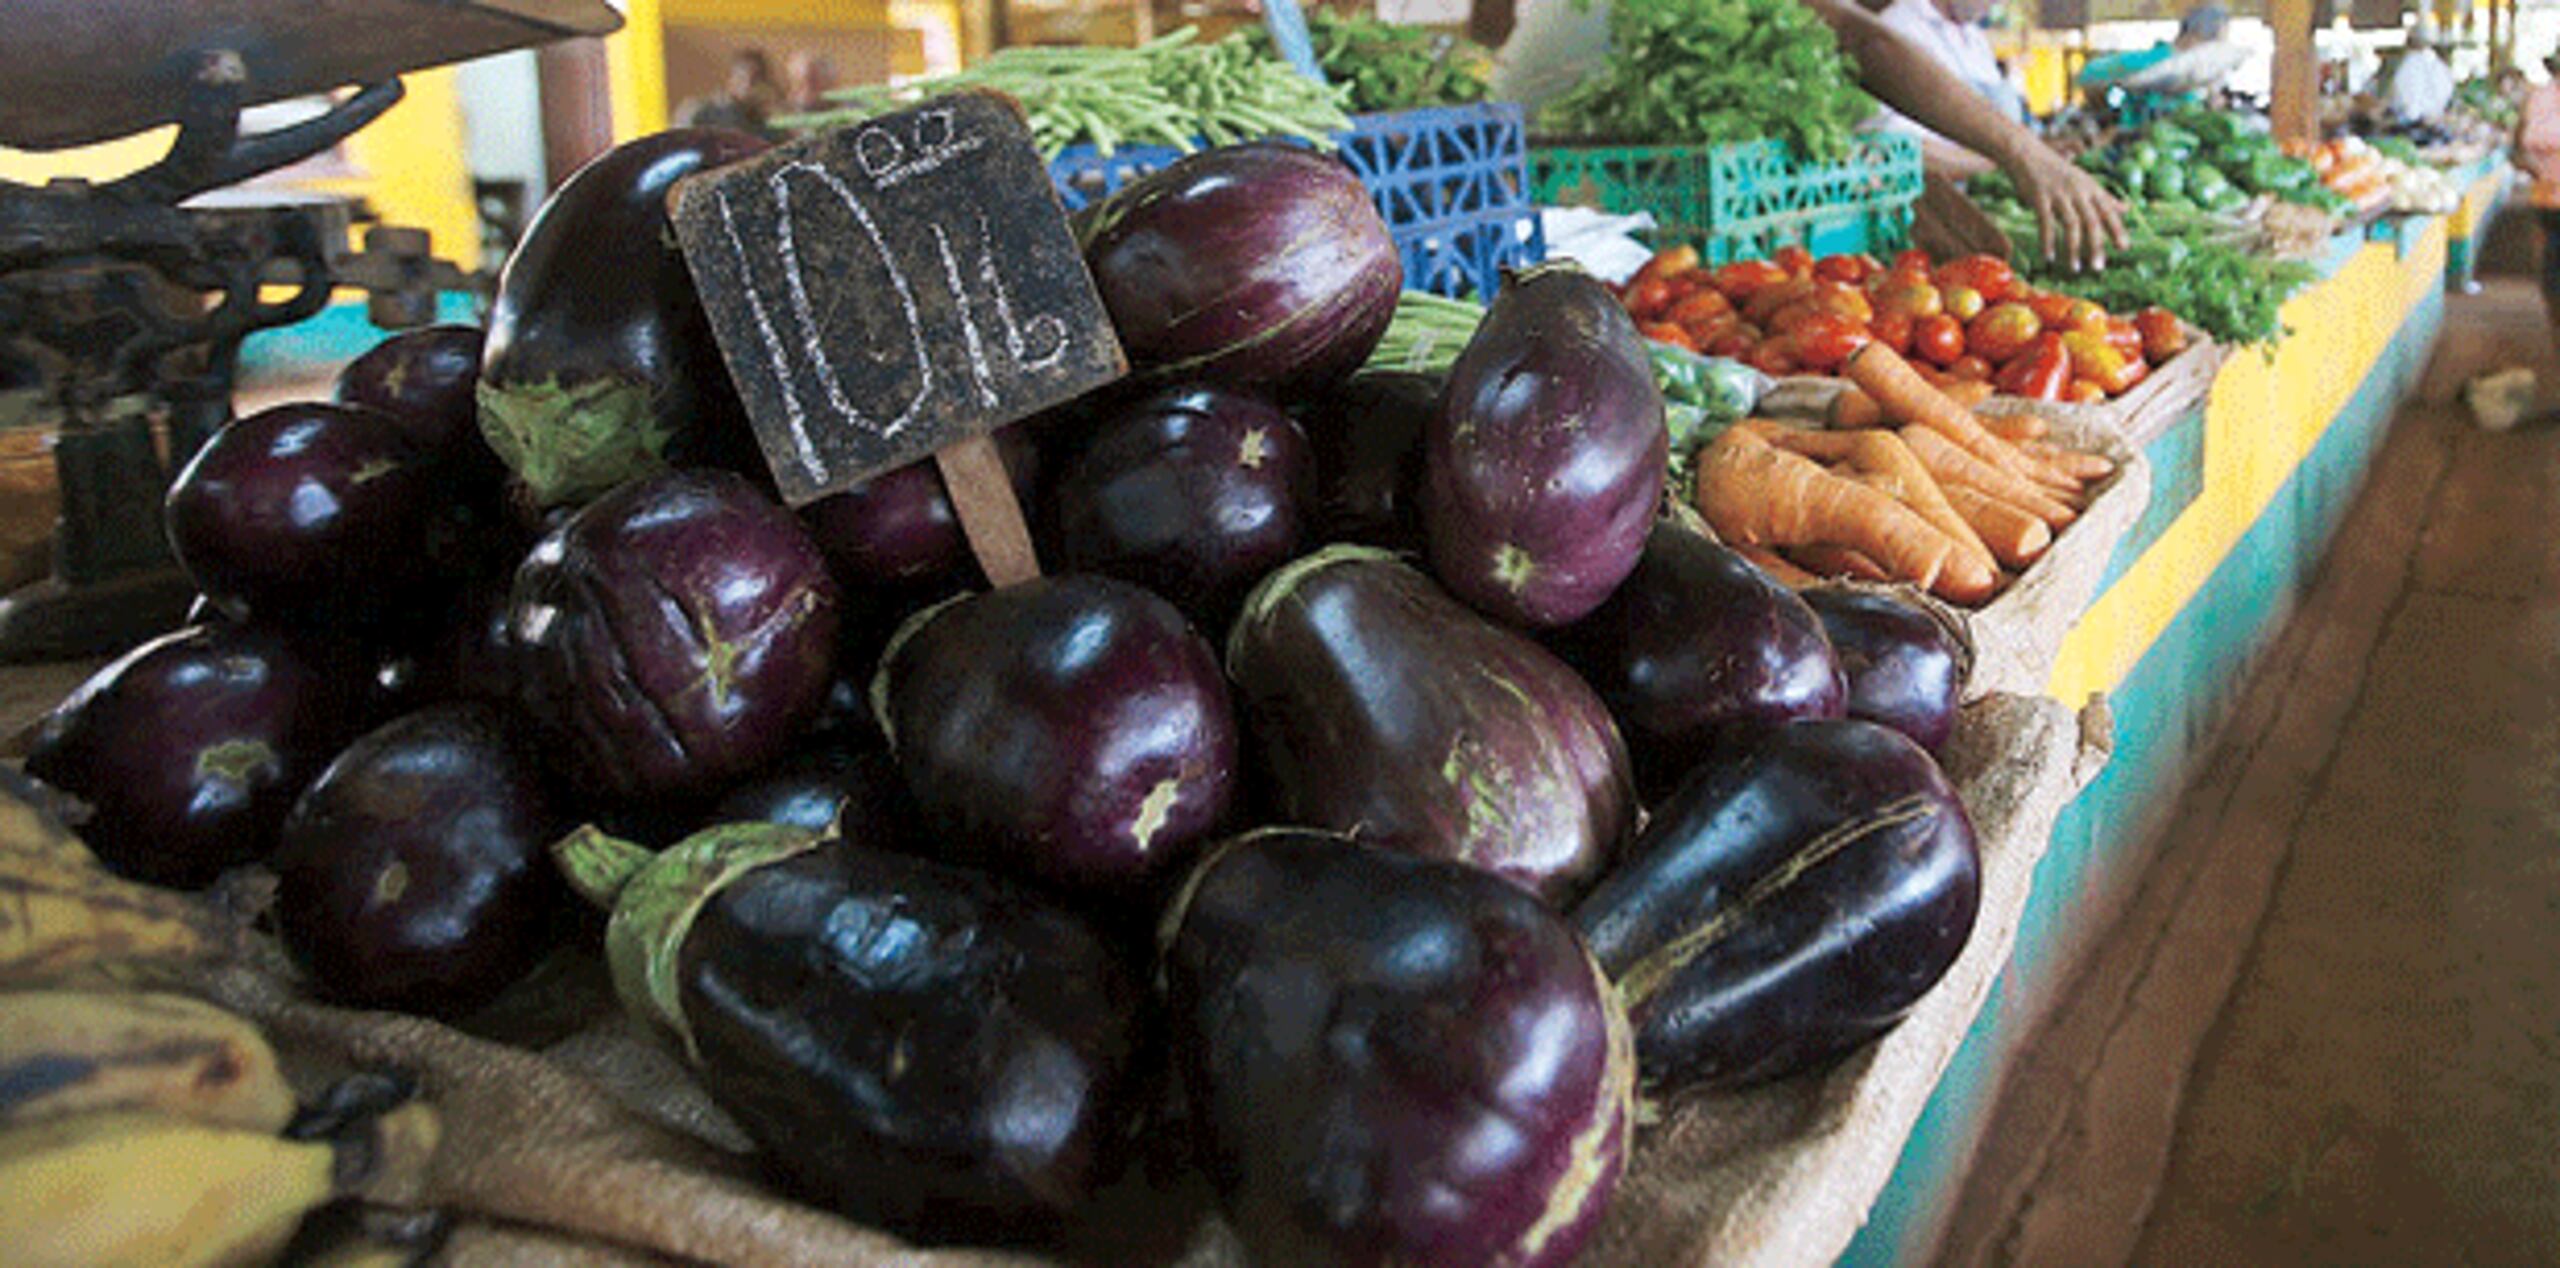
(2073, 211)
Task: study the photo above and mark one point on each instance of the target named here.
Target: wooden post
(2297, 72)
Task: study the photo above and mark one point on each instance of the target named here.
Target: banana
(148, 1189)
(75, 1052)
(68, 922)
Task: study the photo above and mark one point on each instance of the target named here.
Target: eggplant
(1073, 728)
(1698, 646)
(674, 634)
(309, 513)
(1543, 467)
(898, 528)
(1367, 436)
(1906, 658)
(1194, 493)
(1792, 901)
(1260, 267)
(930, 1049)
(600, 365)
(852, 788)
(1393, 1060)
(427, 380)
(1382, 707)
(192, 747)
(413, 872)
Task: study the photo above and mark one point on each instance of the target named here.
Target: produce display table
(2485, 185)
(2247, 488)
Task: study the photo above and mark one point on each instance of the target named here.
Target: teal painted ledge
(330, 338)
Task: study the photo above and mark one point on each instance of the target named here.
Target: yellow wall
(637, 64)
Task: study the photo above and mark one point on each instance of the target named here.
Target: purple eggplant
(1194, 493)
(1906, 659)
(600, 364)
(1382, 707)
(308, 513)
(413, 870)
(1071, 728)
(675, 635)
(1393, 1060)
(1697, 645)
(898, 529)
(193, 746)
(1543, 468)
(1259, 267)
(850, 787)
(1791, 902)
(935, 1050)
(1367, 436)
(427, 380)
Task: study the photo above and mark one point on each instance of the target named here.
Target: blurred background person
(745, 102)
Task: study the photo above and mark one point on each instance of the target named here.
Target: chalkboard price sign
(889, 289)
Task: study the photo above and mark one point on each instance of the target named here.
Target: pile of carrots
(1935, 495)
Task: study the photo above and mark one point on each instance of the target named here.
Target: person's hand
(2075, 215)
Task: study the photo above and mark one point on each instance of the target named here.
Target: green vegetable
(1391, 67)
(1169, 91)
(2188, 262)
(1698, 72)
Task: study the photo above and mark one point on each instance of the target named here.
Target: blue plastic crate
(1746, 199)
(1451, 182)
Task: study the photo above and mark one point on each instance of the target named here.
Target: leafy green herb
(2192, 263)
(1391, 67)
(1696, 72)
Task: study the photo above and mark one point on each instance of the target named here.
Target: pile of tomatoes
(1970, 319)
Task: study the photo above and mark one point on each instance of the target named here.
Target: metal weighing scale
(123, 304)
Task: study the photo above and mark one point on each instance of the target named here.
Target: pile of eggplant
(1376, 799)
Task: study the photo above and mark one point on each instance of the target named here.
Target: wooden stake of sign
(898, 289)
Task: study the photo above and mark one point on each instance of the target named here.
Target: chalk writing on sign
(885, 289)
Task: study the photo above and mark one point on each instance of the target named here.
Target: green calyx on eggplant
(1792, 901)
(1696, 647)
(1544, 465)
(928, 1048)
(1382, 707)
(1393, 1060)
(600, 364)
(1073, 729)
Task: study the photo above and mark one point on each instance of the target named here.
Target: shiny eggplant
(1367, 436)
(1791, 902)
(1906, 658)
(1393, 1060)
(935, 1050)
(601, 365)
(1260, 267)
(427, 380)
(193, 746)
(308, 513)
(1698, 645)
(1072, 728)
(1194, 493)
(898, 529)
(414, 873)
(848, 786)
(674, 635)
(1543, 467)
(1382, 707)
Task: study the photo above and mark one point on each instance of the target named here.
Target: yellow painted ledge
(2261, 420)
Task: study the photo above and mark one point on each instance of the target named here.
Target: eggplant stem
(598, 865)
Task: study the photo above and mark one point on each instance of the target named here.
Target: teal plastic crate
(1744, 200)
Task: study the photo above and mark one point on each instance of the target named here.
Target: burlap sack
(601, 1150)
(2018, 636)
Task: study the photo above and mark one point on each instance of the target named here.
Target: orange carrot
(1884, 462)
(2071, 462)
(2015, 537)
(1908, 398)
(1853, 408)
(1755, 494)
(1971, 393)
(1779, 570)
(1827, 560)
(1954, 466)
(2017, 429)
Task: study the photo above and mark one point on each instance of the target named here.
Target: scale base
(53, 620)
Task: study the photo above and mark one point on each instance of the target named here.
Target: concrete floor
(2327, 1029)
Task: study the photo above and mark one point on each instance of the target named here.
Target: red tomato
(1797, 261)
(1647, 298)
(2051, 309)
(1894, 331)
(1845, 299)
(1665, 332)
(1768, 300)
(1698, 307)
(2002, 332)
(2096, 360)
(1743, 279)
(1914, 261)
(2087, 315)
(1845, 269)
(2039, 372)
(1970, 369)
(1824, 340)
(1962, 302)
(1774, 358)
(1912, 297)
(1736, 343)
(1989, 275)
(1938, 339)
(1668, 263)
(2083, 392)
(1690, 283)
(2162, 336)
(2124, 337)
(1712, 327)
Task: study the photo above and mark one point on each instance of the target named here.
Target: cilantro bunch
(1696, 72)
